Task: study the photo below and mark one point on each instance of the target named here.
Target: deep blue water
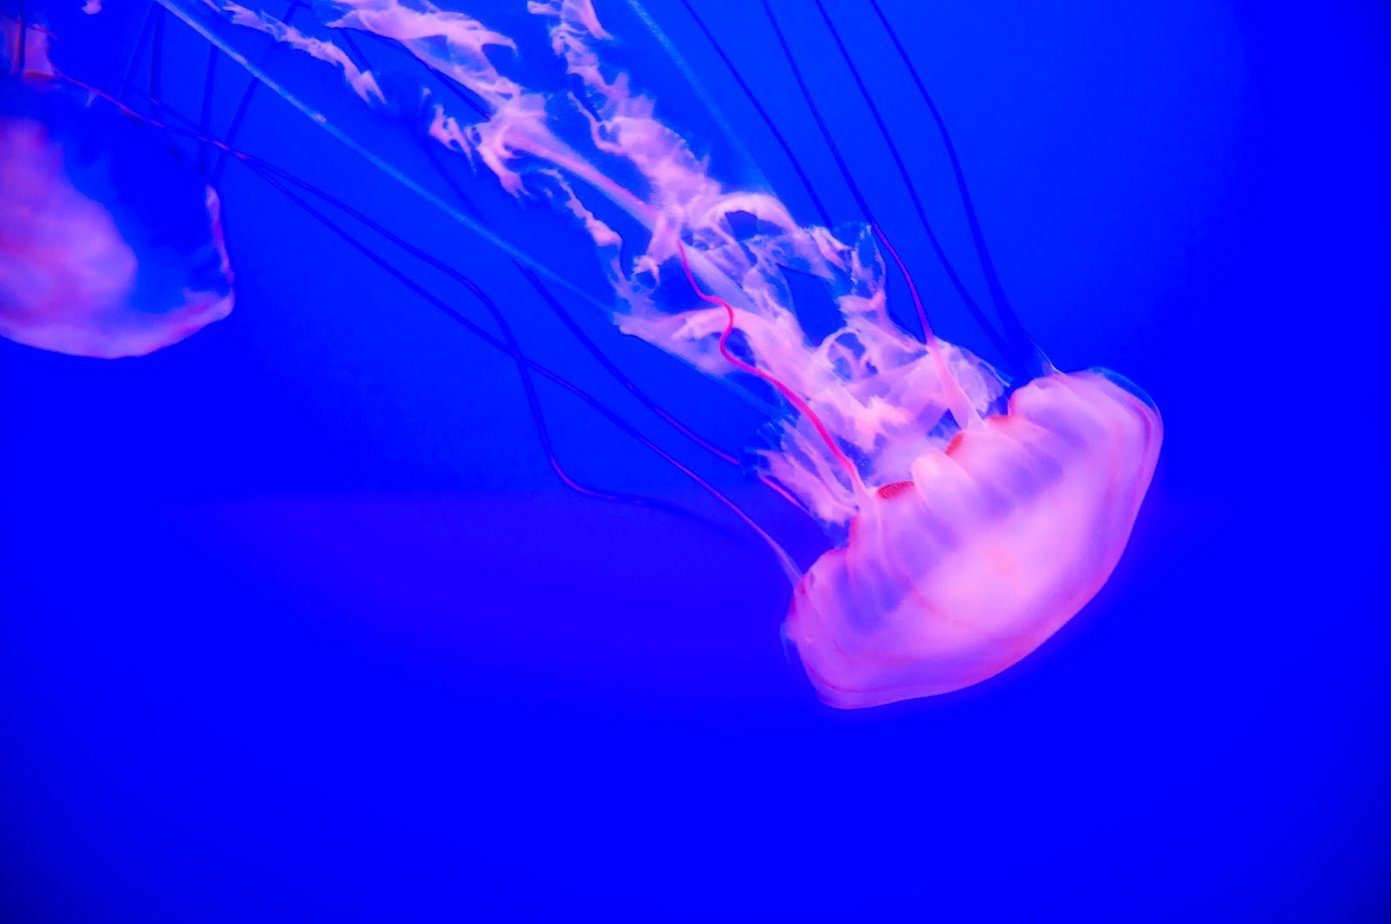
(299, 625)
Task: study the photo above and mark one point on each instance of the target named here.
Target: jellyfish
(973, 510)
(110, 245)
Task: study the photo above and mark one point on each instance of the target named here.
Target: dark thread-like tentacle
(1023, 343)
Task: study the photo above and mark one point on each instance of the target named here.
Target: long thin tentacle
(1014, 328)
(206, 115)
(822, 212)
(971, 305)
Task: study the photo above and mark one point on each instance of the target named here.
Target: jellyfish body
(973, 517)
(994, 544)
(110, 245)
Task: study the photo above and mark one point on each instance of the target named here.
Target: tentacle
(1024, 346)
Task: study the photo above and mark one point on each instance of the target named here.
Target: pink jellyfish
(992, 544)
(976, 515)
(109, 244)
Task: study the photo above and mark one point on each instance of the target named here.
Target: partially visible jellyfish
(974, 511)
(109, 244)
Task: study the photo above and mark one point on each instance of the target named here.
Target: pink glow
(362, 82)
(77, 274)
(62, 261)
(1002, 539)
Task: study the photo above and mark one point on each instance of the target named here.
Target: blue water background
(299, 625)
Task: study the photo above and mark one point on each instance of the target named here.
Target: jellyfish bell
(994, 544)
(110, 244)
